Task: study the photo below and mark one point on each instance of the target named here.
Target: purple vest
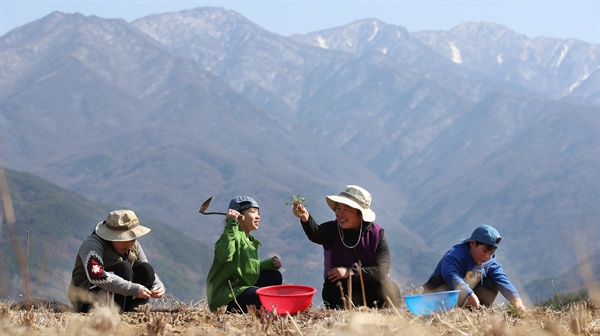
(339, 255)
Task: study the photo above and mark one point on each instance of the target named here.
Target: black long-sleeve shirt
(374, 267)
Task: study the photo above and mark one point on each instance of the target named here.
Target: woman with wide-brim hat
(111, 265)
(355, 247)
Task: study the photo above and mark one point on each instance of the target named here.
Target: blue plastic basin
(425, 304)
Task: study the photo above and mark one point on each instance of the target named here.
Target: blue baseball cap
(241, 203)
(485, 234)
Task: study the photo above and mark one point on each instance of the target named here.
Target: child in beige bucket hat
(111, 260)
(121, 225)
(352, 238)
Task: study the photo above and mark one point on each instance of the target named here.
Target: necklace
(342, 236)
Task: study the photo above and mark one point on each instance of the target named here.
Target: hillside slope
(54, 221)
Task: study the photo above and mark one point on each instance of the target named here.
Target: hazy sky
(561, 19)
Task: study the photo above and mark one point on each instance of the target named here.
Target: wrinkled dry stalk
(9, 214)
(156, 325)
(343, 295)
(81, 294)
(578, 313)
(362, 283)
(294, 323)
(234, 298)
(394, 308)
(586, 268)
(266, 325)
(451, 326)
(285, 325)
(28, 317)
(49, 271)
(350, 301)
(467, 318)
(557, 294)
(27, 265)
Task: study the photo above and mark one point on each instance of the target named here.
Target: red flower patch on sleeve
(95, 268)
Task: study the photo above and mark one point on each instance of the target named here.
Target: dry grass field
(168, 316)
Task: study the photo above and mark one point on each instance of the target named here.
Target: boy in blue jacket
(471, 267)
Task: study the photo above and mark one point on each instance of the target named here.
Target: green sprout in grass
(296, 199)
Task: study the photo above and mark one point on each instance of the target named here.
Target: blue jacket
(459, 271)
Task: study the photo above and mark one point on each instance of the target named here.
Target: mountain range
(447, 129)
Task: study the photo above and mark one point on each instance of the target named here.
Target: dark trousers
(249, 296)
(486, 291)
(140, 273)
(376, 294)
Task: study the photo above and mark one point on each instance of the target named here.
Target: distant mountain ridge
(554, 68)
(163, 112)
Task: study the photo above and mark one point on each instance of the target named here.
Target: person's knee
(249, 297)
(435, 283)
(277, 277)
(143, 269)
(486, 292)
(143, 266)
(332, 296)
(273, 277)
(143, 273)
(269, 278)
(121, 268)
(391, 293)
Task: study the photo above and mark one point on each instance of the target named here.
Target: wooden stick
(9, 214)
(362, 283)
(49, 271)
(27, 268)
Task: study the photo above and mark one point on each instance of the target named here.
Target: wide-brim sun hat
(121, 225)
(356, 197)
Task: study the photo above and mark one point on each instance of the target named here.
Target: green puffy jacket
(236, 261)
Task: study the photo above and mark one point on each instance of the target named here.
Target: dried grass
(170, 316)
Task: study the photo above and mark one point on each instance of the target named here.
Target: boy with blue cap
(471, 267)
(237, 272)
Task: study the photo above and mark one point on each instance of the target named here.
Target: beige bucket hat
(356, 197)
(121, 225)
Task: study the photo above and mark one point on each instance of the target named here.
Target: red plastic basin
(285, 299)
